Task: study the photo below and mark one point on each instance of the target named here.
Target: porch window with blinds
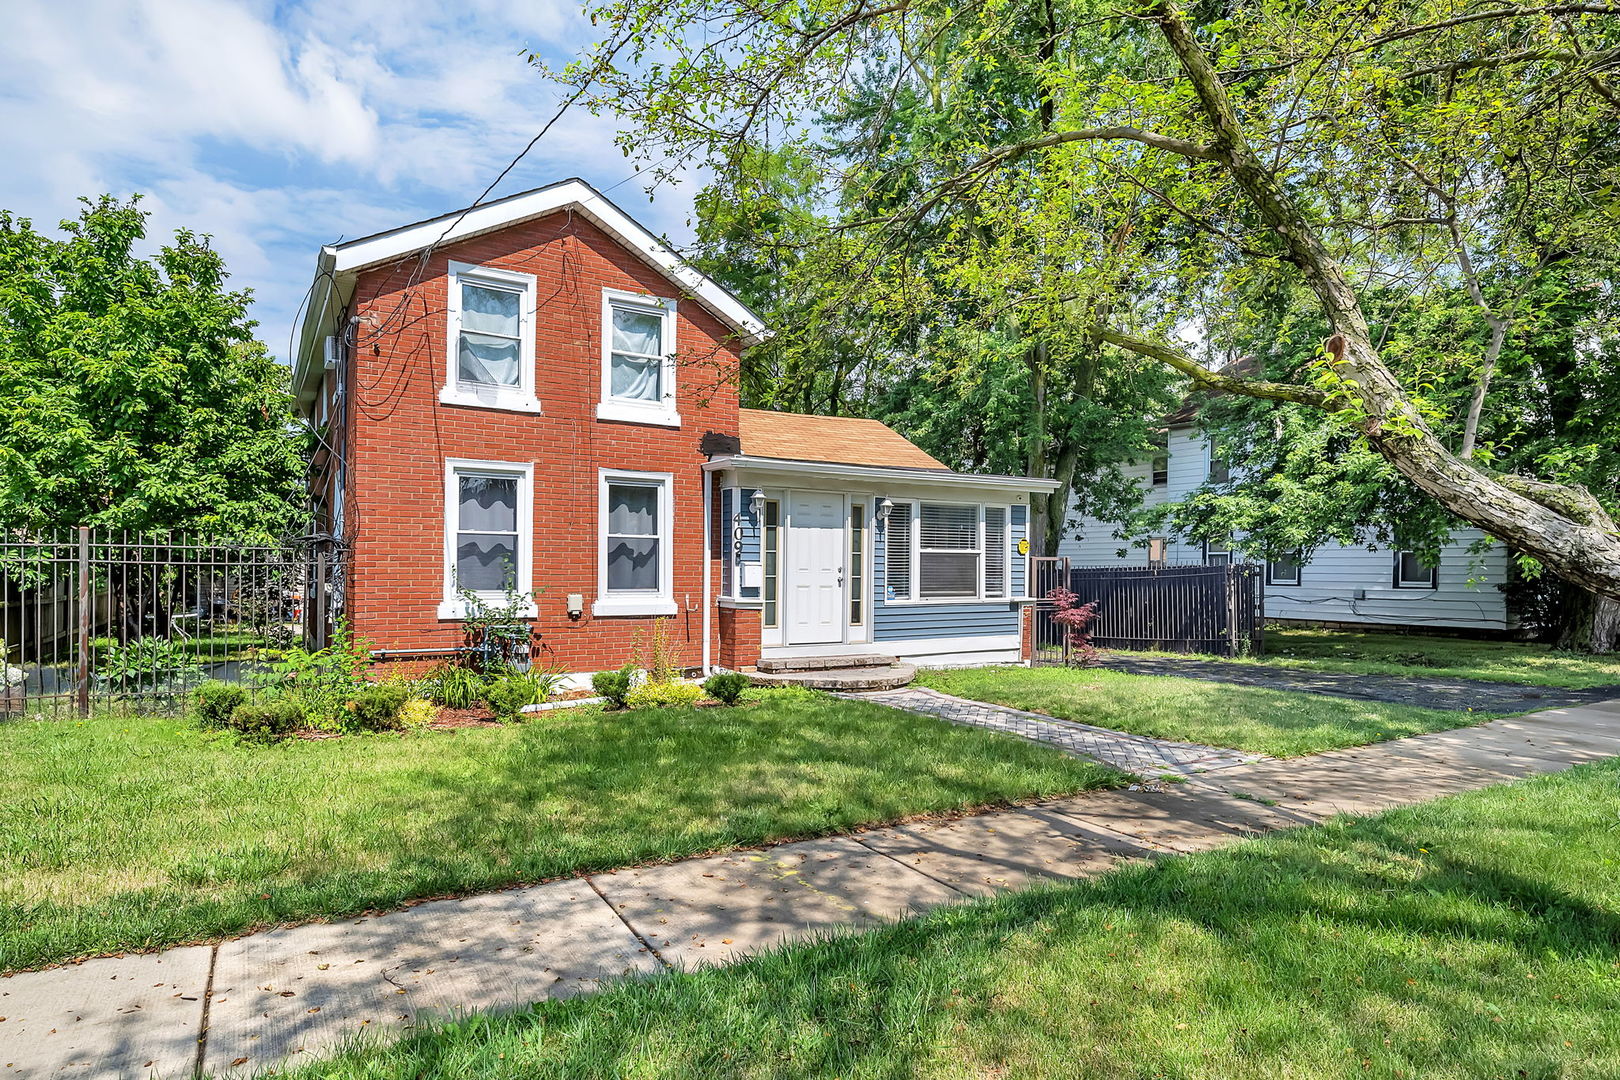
(948, 551)
(995, 552)
(897, 553)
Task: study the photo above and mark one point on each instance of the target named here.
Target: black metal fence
(1186, 609)
(90, 620)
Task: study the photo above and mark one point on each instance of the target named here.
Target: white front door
(813, 587)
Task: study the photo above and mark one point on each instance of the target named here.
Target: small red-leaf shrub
(1075, 617)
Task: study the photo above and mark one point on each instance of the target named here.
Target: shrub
(212, 703)
(664, 695)
(1075, 618)
(376, 708)
(417, 712)
(146, 666)
(506, 697)
(455, 686)
(614, 686)
(323, 682)
(657, 653)
(726, 687)
(266, 721)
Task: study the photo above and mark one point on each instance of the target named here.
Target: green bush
(267, 720)
(376, 708)
(147, 666)
(726, 687)
(614, 686)
(455, 686)
(506, 697)
(417, 712)
(667, 695)
(212, 703)
(324, 682)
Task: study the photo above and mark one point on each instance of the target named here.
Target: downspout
(708, 563)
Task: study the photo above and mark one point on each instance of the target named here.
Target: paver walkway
(1129, 753)
(1430, 692)
(292, 995)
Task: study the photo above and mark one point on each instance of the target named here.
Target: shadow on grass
(1343, 950)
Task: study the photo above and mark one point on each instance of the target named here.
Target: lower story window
(488, 525)
(948, 551)
(857, 563)
(1412, 573)
(1217, 555)
(770, 555)
(1284, 569)
(635, 562)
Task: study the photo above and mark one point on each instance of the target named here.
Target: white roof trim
(879, 472)
(356, 255)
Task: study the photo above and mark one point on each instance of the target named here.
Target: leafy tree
(1192, 165)
(132, 393)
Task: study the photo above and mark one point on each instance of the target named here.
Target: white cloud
(277, 127)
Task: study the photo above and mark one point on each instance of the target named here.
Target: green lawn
(128, 833)
(1476, 936)
(1375, 653)
(1265, 721)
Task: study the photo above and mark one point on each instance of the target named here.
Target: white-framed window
(1412, 573)
(489, 336)
(638, 359)
(636, 557)
(1284, 569)
(944, 551)
(488, 532)
(1217, 554)
(1161, 468)
(1216, 470)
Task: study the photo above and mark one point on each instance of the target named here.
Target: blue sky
(280, 127)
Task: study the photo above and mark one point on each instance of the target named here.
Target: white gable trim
(357, 255)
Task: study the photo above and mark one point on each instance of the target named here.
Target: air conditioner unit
(331, 352)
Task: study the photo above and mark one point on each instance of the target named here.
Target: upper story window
(1161, 469)
(1219, 472)
(1411, 573)
(490, 334)
(488, 530)
(638, 359)
(635, 561)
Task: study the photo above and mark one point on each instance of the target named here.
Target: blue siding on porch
(914, 621)
(731, 501)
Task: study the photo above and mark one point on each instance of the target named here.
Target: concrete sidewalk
(290, 996)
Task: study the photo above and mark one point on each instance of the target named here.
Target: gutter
(880, 472)
(708, 565)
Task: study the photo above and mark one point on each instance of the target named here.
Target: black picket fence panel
(1211, 610)
(91, 619)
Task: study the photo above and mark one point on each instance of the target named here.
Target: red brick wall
(739, 638)
(402, 435)
(1026, 631)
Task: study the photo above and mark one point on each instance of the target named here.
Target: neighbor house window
(771, 554)
(1219, 472)
(995, 551)
(491, 339)
(1284, 569)
(1161, 470)
(488, 531)
(1157, 550)
(635, 559)
(1217, 555)
(638, 368)
(1411, 573)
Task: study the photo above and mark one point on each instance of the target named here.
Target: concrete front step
(844, 680)
(782, 664)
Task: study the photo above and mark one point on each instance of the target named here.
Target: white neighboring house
(1377, 587)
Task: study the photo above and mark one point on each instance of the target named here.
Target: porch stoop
(845, 673)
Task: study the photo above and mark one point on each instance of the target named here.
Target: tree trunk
(1587, 622)
(1482, 385)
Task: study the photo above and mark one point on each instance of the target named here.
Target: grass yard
(123, 833)
(1477, 936)
(1271, 722)
(1376, 653)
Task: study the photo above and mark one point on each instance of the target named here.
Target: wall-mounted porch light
(885, 505)
(756, 502)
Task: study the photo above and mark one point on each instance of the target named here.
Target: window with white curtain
(635, 557)
(638, 369)
(489, 524)
(490, 335)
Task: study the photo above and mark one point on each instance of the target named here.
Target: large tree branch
(1208, 378)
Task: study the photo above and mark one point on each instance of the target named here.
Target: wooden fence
(1212, 610)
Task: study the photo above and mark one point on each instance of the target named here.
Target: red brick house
(539, 394)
